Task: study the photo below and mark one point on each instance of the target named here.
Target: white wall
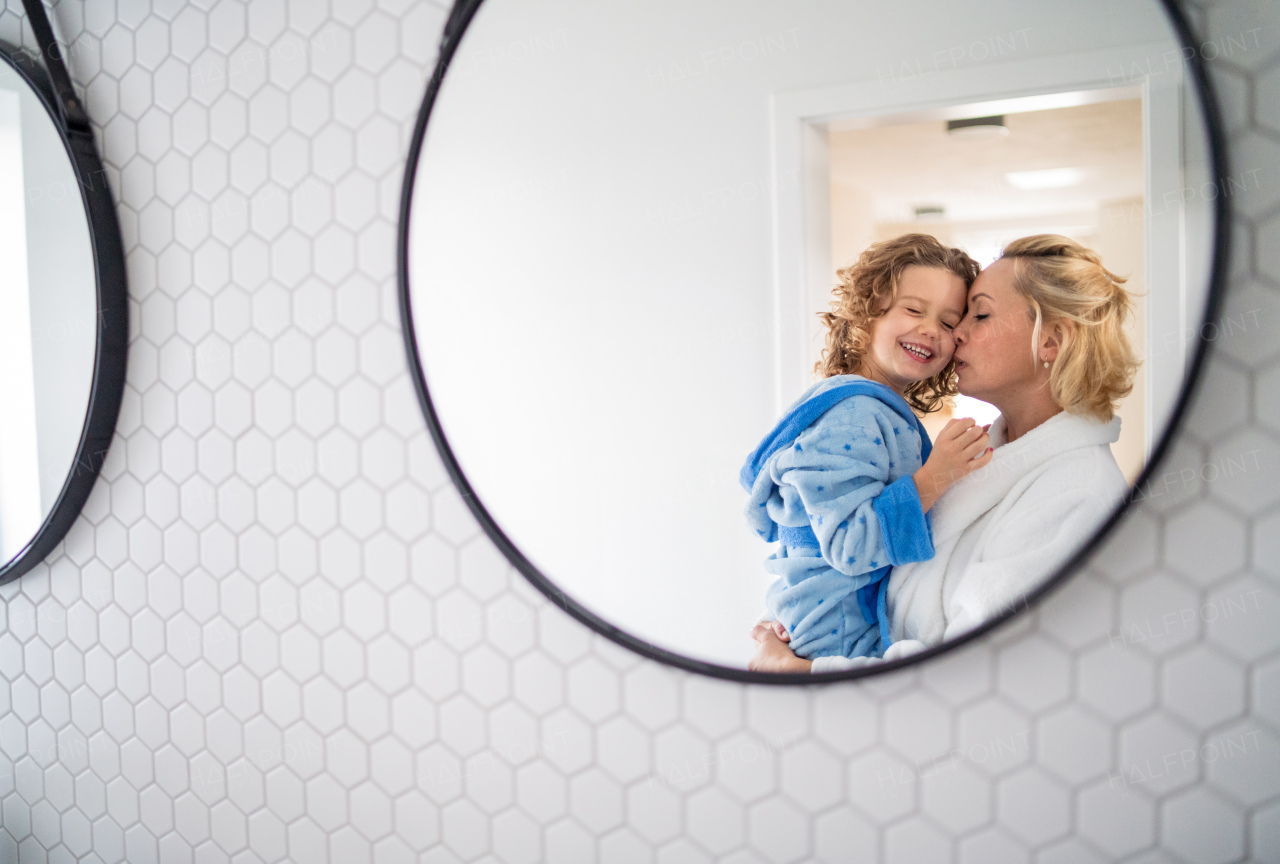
(19, 473)
(1120, 243)
(64, 302)
(592, 270)
(276, 631)
(55, 324)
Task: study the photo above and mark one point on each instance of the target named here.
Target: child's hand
(962, 447)
(763, 628)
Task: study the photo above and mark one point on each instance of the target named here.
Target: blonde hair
(866, 291)
(1066, 284)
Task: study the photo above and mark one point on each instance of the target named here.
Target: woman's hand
(962, 447)
(772, 654)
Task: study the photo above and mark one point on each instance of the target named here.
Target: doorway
(980, 183)
(1117, 183)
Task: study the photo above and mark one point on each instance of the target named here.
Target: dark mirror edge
(112, 321)
(460, 17)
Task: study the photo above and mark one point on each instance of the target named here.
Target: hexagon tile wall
(276, 634)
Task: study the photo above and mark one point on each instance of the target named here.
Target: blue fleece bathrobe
(832, 485)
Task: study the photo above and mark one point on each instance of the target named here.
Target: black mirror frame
(460, 17)
(52, 85)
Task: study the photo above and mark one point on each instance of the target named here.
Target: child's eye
(980, 317)
(948, 326)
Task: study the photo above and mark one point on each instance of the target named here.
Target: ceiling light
(1049, 178)
(978, 127)
(930, 212)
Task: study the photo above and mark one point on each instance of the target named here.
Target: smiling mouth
(917, 352)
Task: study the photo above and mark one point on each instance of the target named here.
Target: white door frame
(802, 211)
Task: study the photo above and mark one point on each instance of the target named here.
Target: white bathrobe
(1003, 530)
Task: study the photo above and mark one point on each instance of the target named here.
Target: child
(845, 478)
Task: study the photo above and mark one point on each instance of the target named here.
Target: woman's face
(993, 342)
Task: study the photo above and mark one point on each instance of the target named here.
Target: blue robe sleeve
(902, 522)
(839, 468)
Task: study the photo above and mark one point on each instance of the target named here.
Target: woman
(1043, 340)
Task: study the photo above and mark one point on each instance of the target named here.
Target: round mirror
(651, 252)
(63, 314)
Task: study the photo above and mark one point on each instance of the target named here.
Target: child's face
(913, 341)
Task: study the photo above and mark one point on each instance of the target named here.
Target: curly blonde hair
(1066, 284)
(866, 291)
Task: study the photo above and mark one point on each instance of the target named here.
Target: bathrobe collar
(971, 497)
(817, 401)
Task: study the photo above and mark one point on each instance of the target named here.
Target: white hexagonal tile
(567, 740)
(711, 705)
(917, 726)
(1239, 618)
(1243, 471)
(489, 782)
(844, 718)
(485, 675)
(1071, 851)
(779, 831)
(277, 583)
(993, 737)
(1156, 755)
(624, 845)
(684, 760)
(1205, 543)
(1174, 483)
(541, 791)
(1265, 691)
(811, 776)
(1241, 761)
(622, 749)
(1117, 821)
(779, 714)
(1073, 744)
(1252, 151)
(1033, 806)
(840, 830)
(955, 796)
(1033, 673)
(882, 786)
(1078, 613)
(1200, 826)
(653, 810)
(464, 829)
(915, 840)
(1265, 833)
(715, 820)
(593, 689)
(1158, 613)
(1116, 681)
(1221, 403)
(1203, 687)
(651, 695)
(1134, 547)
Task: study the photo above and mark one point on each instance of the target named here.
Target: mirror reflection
(48, 313)
(799, 336)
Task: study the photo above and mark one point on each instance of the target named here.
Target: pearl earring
(1046, 364)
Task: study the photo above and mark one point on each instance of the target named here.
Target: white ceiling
(904, 166)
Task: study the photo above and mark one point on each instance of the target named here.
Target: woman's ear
(1053, 339)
